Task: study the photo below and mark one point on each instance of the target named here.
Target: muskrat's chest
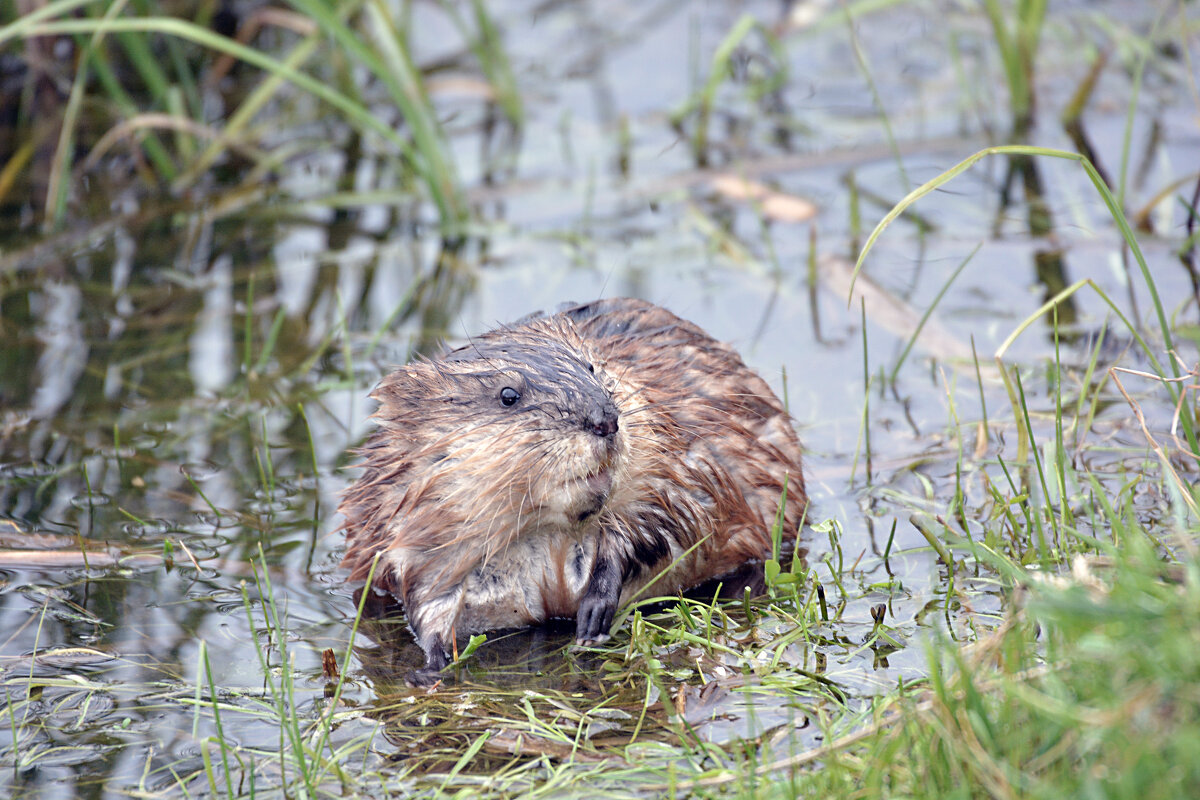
(535, 579)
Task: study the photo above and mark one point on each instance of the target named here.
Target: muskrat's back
(555, 467)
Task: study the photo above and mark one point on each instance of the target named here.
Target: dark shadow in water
(1187, 256)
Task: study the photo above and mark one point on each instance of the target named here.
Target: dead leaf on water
(63, 657)
(698, 704)
(329, 666)
(774, 205)
(461, 86)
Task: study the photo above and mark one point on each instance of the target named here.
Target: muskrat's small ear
(408, 384)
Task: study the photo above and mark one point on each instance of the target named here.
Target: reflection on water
(180, 382)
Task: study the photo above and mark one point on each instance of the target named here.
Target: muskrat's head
(514, 432)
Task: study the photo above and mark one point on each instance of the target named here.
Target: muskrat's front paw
(598, 605)
(594, 619)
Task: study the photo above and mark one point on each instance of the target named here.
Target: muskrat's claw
(594, 619)
(436, 658)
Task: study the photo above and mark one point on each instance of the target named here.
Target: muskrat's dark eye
(509, 395)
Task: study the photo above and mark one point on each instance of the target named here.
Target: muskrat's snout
(602, 419)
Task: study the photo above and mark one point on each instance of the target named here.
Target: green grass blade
(1115, 211)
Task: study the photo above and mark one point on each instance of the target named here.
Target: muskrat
(556, 467)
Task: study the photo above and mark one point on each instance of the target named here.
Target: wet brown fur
(636, 437)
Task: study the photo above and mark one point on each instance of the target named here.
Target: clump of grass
(1118, 215)
(306, 762)
(1089, 689)
(157, 107)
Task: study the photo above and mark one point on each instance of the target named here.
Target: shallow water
(180, 384)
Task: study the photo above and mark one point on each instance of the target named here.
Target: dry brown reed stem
(1184, 489)
(277, 17)
(163, 121)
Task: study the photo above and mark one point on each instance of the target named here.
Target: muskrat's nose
(603, 422)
